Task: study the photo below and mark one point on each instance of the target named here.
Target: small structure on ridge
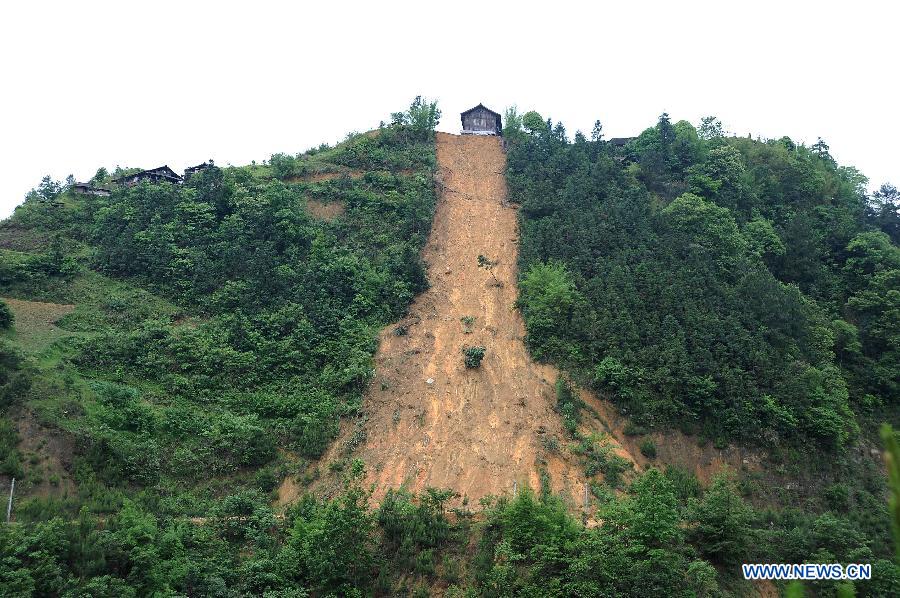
(88, 189)
(190, 170)
(161, 174)
(481, 120)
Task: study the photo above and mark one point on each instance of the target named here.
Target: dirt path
(430, 421)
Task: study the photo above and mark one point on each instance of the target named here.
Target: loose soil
(46, 456)
(352, 173)
(318, 177)
(325, 211)
(428, 420)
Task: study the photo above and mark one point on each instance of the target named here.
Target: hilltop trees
(884, 211)
(421, 117)
(715, 309)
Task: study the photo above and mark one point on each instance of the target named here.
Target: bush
(633, 429)
(473, 356)
(10, 462)
(648, 448)
(6, 316)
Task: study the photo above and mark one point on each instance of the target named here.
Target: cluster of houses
(160, 174)
(479, 120)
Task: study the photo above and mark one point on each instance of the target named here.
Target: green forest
(740, 291)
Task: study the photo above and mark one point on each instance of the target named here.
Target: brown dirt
(318, 177)
(19, 238)
(476, 431)
(47, 451)
(674, 447)
(325, 211)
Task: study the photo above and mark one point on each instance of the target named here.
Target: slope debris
(429, 421)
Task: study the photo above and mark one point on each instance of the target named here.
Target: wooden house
(481, 121)
(191, 170)
(88, 189)
(161, 174)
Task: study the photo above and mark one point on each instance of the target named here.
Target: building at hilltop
(161, 174)
(481, 120)
(88, 189)
(191, 170)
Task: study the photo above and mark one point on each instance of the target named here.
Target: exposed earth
(428, 420)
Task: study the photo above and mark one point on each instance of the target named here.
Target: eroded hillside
(428, 420)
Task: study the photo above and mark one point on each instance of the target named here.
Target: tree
(666, 131)
(533, 122)
(100, 177)
(422, 116)
(721, 522)
(821, 149)
(762, 238)
(892, 464)
(703, 230)
(548, 298)
(597, 131)
(651, 513)
(884, 211)
(869, 254)
(6, 316)
(710, 128)
(46, 190)
(512, 122)
(721, 179)
(334, 541)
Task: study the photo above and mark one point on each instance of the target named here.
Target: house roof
(87, 187)
(209, 164)
(163, 170)
(482, 107)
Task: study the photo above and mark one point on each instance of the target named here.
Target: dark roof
(483, 107)
(192, 170)
(209, 164)
(163, 170)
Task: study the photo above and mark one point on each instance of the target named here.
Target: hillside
(429, 364)
(428, 420)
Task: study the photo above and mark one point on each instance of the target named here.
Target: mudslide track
(430, 421)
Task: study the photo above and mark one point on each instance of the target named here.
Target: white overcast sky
(89, 84)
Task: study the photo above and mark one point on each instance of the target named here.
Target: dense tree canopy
(729, 285)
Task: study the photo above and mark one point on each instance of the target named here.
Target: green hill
(170, 354)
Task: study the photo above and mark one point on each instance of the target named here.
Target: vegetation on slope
(739, 288)
(736, 288)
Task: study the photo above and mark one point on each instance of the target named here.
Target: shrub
(10, 462)
(467, 322)
(473, 356)
(283, 166)
(6, 316)
(648, 448)
(633, 429)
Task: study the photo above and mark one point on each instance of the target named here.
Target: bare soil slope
(430, 421)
